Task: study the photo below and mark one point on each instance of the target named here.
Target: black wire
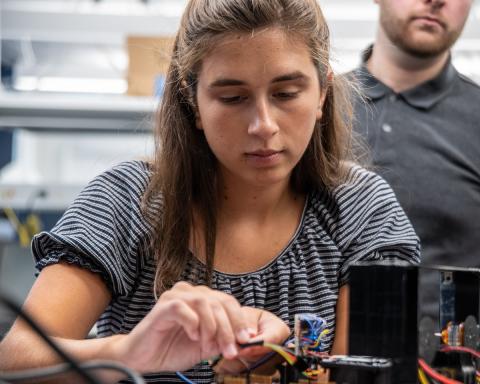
(264, 359)
(74, 365)
(44, 373)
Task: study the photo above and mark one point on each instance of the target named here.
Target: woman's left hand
(264, 326)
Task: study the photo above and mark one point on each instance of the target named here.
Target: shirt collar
(423, 96)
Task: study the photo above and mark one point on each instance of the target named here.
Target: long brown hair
(185, 169)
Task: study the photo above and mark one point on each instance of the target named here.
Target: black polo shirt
(426, 143)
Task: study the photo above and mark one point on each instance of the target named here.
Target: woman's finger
(271, 329)
(225, 336)
(178, 312)
(241, 321)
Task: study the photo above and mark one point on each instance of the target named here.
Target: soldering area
(80, 83)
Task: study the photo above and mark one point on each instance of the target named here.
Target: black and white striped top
(105, 232)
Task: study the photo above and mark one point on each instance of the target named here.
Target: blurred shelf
(38, 197)
(36, 110)
(109, 22)
(87, 21)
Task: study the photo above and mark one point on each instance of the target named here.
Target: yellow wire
(289, 358)
(422, 377)
(20, 229)
(33, 224)
(12, 217)
(317, 342)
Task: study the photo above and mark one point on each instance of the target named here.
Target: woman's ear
(323, 95)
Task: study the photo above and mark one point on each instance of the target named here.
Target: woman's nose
(262, 121)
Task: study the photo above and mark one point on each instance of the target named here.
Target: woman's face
(258, 100)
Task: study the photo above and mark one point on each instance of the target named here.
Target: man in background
(421, 122)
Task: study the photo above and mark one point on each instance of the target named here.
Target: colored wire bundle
(310, 331)
(317, 342)
(429, 371)
(294, 360)
(287, 355)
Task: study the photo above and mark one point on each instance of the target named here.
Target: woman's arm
(65, 301)
(340, 343)
(186, 325)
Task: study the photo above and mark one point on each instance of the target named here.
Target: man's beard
(402, 35)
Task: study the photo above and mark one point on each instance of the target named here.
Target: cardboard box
(149, 57)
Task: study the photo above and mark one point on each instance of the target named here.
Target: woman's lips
(264, 157)
(263, 152)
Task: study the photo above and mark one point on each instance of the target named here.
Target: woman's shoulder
(120, 188)
(362, 182)
(131, 170)
(131, 177)
(359, 186)
(362, 215)
(363, 196)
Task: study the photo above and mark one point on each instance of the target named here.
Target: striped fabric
(105, 232)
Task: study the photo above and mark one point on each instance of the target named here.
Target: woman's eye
(232, 99)
(286, 95)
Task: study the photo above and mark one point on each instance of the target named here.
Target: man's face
(423, 28)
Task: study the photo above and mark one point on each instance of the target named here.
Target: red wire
(435, 375)
(461, 349)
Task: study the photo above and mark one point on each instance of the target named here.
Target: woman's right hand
(187, 324)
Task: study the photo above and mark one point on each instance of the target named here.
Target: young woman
(252, 192)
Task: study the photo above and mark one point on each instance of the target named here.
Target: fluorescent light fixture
(168, 8)
(70, 85)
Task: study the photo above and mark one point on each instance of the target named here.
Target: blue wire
(184, 378)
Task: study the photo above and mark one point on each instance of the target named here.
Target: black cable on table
(10, 304)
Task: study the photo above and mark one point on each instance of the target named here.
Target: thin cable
(16, 309)
(287, 355)
(184, 378)
(47, 372)
(435, 375)
(262, 360)
(461, 349)
(19, 228)
(320, 337)
(422, 377)
(114, 366)
(284, 352)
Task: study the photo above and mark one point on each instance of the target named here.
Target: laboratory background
(80, 80)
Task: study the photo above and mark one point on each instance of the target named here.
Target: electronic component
(447, 299)
(428, 341)
(388, 343)
(310, 331)
(453, 334)
(471, 333)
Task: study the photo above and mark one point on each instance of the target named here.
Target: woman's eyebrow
(226, 82)
(297, 75)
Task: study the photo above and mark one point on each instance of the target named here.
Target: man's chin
(425, 45)
(426, 48)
